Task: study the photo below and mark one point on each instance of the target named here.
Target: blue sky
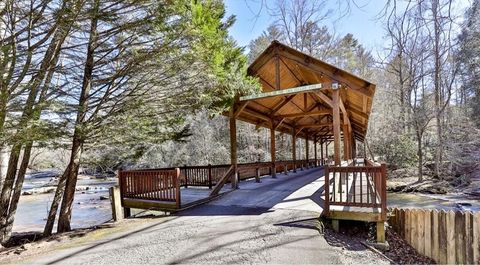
(360, 22)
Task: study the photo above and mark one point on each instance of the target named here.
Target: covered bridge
(307, 99)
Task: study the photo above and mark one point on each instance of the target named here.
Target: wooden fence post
(186, 177)
(383, 194)
(209, 176)
(116, 202)
(177, 187)
(257, 175)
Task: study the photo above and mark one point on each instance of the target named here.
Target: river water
(89, 210)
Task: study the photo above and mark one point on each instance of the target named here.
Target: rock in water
(104, 198)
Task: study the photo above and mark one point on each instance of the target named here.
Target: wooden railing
(156, 185)
(209, 175)
(163, 184)
(356, 186)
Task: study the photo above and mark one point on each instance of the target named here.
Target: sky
(361, 21)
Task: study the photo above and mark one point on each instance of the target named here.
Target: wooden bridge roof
(300, 95)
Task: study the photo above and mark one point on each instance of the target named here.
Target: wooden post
(352, 142)
(209, 176)
(233, 147)
(383, 191)
(294, 150)
(365, 151)
(336, 225)
(116, 201)
(185, 172)
(346, 144)
(257, 175)
(321, 152)
(306, 148)
(177, 187)
(315, 150)
(285, 169)
(272, 148)
(127, 212)
(336, 126)
(326, 150)
(381, 232)
(327, 191)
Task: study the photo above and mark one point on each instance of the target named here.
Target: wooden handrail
(356, 186)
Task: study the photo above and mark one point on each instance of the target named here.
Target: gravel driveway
(270, 222)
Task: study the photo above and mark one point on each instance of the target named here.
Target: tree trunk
(80, 126)
(47, 231)
(71, 174)
(438, 114)
(7, 190)
(6, 230)
(420, 157)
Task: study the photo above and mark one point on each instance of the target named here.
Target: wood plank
(435, 231)
(427, 232)
(414, 228)
(148, 204)
(281, 104)
(421, 231)
(408, 226)
(240, 108)
(356, 84)
(277, 71)
(324, 98)
(355, 216)
(459, 228)
(282, 92)
(305, 114)
(469, 244)
(476, 238)
(450, 227)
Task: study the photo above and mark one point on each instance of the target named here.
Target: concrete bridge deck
(273, 222)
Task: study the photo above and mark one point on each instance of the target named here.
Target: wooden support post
(185, 171)
(336, 126)
(272, 148)
(336, 225)
(285, 169)
(315, 150)
(380, 232)
(365, 151)
(294, 150)
(346, 144)
(127, 212)
(257, 175)
(233, 147)
(321, 152)
(354, 147)
(326, 210)
(116, 201)
(210, 176)
(326, 150)
(306, 148)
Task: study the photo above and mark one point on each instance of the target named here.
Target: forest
(90, 86)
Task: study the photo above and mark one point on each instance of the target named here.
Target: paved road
(271, 222)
